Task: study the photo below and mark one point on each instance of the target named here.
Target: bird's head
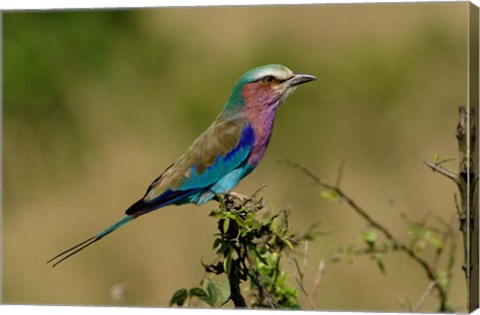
(266, 87)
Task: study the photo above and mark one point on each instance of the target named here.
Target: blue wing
(199, 186)
(223, 165)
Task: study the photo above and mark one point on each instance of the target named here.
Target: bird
(222, 155)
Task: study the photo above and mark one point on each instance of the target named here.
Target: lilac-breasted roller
(220, 157)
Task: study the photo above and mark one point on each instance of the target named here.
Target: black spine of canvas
(473, 100)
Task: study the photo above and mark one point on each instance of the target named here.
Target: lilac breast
(262, 122)
(261, 103)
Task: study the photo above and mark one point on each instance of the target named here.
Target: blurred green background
(98, 103)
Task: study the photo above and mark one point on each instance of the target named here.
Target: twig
(427, 292)
(446, 172)
(421, 224)
(305, 259)
(340, 173)
(449, 233)
(300, 282)
(405, 304)
(451, 257)
(257, 191)
(318, 277)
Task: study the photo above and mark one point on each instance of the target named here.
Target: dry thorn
(425, 294)
(255, 193)
(318, 277)
(305, 259)
(405, 304)
(340, 173)
(300, 281)
(446, 172)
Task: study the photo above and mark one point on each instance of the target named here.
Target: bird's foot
(236, 201)
(233, 195)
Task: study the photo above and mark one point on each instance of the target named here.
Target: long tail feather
(80, 246)
(70, 252)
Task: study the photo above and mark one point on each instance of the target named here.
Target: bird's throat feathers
(259, 110)
(260, 105)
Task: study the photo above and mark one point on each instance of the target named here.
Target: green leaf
(253, 249)
(179, 297)
(216, 243)
(416, 230)
(379, 261)
(223, 290)
(241, 222)
(200, 293)
(350, 249)
(226, 223)
(227, 263)
(330, 195)
(437, 243)
(212, 292)
(221, 203)
(230, 215)
(443, 278)
(369, 237)
(438, 160)
(250, 219)
(288, 243)
(216, 213)
(223, 247)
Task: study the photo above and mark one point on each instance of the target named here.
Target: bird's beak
(300, 79)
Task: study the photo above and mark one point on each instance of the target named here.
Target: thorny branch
(318, 277)
(422, 299)
(435, 166)
(301, 275)
(396, 243)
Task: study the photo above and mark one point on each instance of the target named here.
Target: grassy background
(97, 104)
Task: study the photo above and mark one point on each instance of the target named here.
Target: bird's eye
(269, 79)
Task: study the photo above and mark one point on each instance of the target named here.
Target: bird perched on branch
(220, 157)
